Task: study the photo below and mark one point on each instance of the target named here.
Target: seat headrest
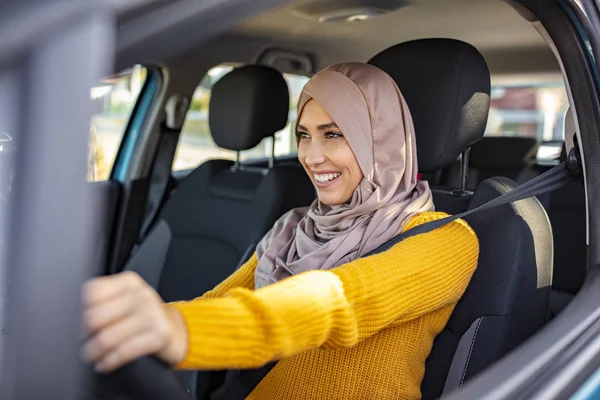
(503, 152)
(446, 84)
(247, 105)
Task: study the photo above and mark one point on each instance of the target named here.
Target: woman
(342, 326)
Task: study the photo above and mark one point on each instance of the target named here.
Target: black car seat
(427, 78)
(222, 209)
(447, 84)
(567, 211)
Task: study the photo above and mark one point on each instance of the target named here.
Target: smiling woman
(326, 156)
(309, 297)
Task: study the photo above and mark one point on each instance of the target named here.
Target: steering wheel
(146, 378)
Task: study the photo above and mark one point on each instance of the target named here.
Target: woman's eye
(333, 135)
(302, 135)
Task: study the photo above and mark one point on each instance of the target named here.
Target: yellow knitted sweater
(360, 331)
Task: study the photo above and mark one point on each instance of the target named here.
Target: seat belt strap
(549, 181)
(246, 256)
(160, 176)
(175, 111)
(240, 383)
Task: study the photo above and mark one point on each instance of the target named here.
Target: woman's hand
(126, 319)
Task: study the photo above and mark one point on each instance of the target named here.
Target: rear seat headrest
(503, 152)
(247, 105)
(446, 84)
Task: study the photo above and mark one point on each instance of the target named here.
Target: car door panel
(107, 194)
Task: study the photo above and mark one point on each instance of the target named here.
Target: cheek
(343, 158)
(302, 154)
(356, 176)
(349, 162)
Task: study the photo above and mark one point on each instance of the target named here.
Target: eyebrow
(322, 127)
(327, 126)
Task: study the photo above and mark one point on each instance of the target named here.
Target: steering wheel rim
(147, 378)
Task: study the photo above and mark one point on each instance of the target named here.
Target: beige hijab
(369, 109)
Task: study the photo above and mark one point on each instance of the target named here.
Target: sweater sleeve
(336, 308)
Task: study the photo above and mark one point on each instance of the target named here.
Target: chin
(331, 201)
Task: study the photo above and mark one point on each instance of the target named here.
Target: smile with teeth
(326, 178)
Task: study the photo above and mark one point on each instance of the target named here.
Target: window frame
(127, 126)
(139, 117)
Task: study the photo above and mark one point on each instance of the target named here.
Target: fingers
(108, 312)
(128, 351)
(100, 289)
(111, 337)
(127, 319)
(108, 299)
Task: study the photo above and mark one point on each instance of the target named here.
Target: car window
(530, 110)
(195, 143)
(113, 100)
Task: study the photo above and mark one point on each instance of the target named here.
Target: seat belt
(246, 256)
(160, 176)
(240, 383)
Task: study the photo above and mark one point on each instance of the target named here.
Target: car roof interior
(511, 45)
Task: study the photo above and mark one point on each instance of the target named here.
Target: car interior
(446, 63)
(185, 209)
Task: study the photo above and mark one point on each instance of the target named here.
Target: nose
(314, 154)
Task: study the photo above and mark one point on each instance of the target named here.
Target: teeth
(324, 178)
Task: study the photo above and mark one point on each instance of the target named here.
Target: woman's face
(326, 156)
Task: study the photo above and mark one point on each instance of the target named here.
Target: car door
(119, 103)
(69, 129)
(46, 71)
(563, 359)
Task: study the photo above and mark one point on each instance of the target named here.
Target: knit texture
(362, 330)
